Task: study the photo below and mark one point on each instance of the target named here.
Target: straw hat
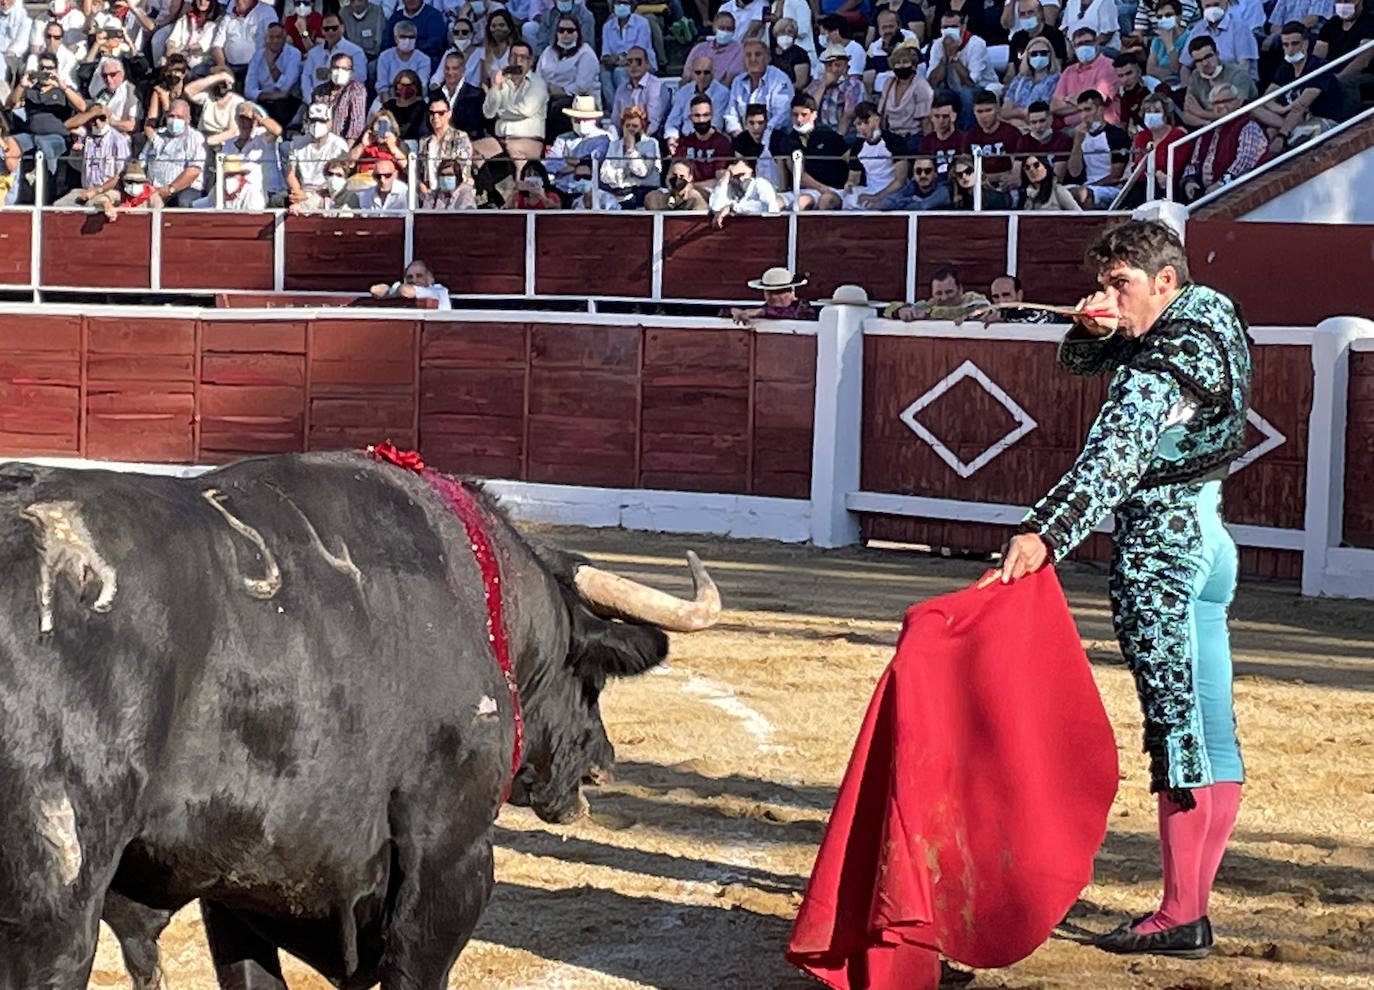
(776, 280)
(833, 52)
(583, 108)
(235, 163)
(849, 295)
(133, 172)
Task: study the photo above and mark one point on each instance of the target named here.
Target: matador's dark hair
(1145, 244)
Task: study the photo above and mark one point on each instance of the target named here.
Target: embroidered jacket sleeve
(1119, 448)
(1083, 354)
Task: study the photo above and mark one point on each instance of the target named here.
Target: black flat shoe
(1190, 941)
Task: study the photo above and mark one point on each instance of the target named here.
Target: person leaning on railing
(1351, 27)
(1306, 110)
(1225, 152)
(682, 194)
(948, 301)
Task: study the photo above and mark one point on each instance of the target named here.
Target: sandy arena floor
(690, 868)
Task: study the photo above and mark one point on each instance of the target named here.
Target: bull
(297, 688)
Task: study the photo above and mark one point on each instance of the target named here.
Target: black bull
(271, 687)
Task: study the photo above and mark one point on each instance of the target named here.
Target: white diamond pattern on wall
(1272, 438)
(1024, 422)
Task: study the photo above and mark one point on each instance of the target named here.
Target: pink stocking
(1191, 846)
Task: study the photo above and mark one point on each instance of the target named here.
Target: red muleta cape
(975, 799)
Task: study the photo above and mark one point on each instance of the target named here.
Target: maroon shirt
(943, 149)
(1055, 148)
(707, 155)
(1001, 142)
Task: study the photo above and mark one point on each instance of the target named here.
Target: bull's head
(616, 629)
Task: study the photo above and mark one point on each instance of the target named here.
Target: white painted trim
(911, 233)
(1013, 240)
(1362, 344)
(742, 516)
(792, 239)
(279, 251)
(656, 260)
(837, 424)
(999, 514)
(155, 251)
(971, 329)
(35, 250)
(1024, 421)
(529, 253)
(1348, 573)
(1283, 335)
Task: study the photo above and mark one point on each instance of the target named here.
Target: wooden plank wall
(15, 247)
(85, 249)
(897, 370)
(1359, 451)
(217, 250)
(711, 409)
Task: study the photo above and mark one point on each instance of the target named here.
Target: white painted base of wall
(744, 516)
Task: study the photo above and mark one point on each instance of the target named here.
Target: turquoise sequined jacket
(1175, 413)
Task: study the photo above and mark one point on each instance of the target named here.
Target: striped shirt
(103, 157)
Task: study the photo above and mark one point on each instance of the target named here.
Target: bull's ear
(607, 648)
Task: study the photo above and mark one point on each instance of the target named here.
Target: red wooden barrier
(362, 383)
(700, 262)
(252, 388)
(474, 252)
(1286, 273)
(474, 389)
(1359, 451)
(868, 250)
(217, 250)
(974, 245)
(784, 410)
(15, 247)
(1049, 254)
(345, 254)
(40, 385)
(84, 249)
(582, 253)
(140, 388)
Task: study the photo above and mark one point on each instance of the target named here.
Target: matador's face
(1139, 297)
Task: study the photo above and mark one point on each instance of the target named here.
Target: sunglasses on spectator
(461, 35)
(384, 175)
(701, 72)
(331, 27)
(567, 30)
(55, 37)
(437, 111)
(924, 171)
(1034, 164)
(959, 173)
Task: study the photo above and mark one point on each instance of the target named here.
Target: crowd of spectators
(547, 104)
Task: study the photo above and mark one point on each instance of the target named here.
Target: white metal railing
(1261, 100)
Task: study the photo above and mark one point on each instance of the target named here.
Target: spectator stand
(1277, 160)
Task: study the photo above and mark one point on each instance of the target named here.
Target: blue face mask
(1085, 53)
(175, 126)
(1027, 24)
(581, 185)
(564, 6)
(622, 10)
(1038, 60)
(448, 183)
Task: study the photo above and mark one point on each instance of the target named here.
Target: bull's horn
(628, 599)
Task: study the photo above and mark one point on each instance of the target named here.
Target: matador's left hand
(1026, 552)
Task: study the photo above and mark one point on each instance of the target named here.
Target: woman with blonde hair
(1034, 80)
(631, 169)
(904, 103)
(381, 138)
(789, 55)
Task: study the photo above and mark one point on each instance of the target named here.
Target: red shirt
(707, 155)
(1002, 141)
(1143, 137)
(312, 28)
(943, 149)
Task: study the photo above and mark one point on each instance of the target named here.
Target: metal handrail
(1146, 159)
(1263, 98)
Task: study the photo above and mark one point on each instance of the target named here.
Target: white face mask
(1167, 23)
(952, 33)
(785, 41)
(132, 188)
(1213, 14)
(584, 127)
(1213, 74)
(303, 10)
(405, 45)
(876, 136)
(1293, 58)
(805, 128)
(1345, 11)
(318, 129)
(334, 183)
(1154, 120)
(340, 77)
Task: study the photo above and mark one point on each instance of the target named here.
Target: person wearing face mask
(1307, 110)
(445, 143)
(304, 25)
(1098, 15)
(1209, 71)
(684, 114)
(403, 55)
(1030, 25)
(219, 105)
(623, 31)
(242, 186)
(407, 105)
(319, 62)
(175, 157)
(364, 24)
(274, 74)
(494, 52)
(133, 191)
(879, 170)
(259, 141)
(310, 152)
(681, 194)
(541, 33)
(431, 30)
(823, 169)
(1157, 135)
(1351, 27)
(739, 190)
(449, 191)
(1099, 155)
(332, 196)
(104, 153)
(1166, 45)
(1233, 40)
(793, 60)
(239, 34)
(1035, 81)
(721, 49)
(586, 140)
(1090, 71)
(1040, 138)
(569, 68)
(959, 63)
(906, 97)
(344, 95)
(748, 17)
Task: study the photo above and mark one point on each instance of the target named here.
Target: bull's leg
(137, 928)
(430, 928)
(243, 959)
(55, 954)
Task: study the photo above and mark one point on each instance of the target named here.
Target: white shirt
(122, 104)
(744, 14)
(15, 29)
(1100, 17)
(318, 58)
(248, 197)
(974, 56)
(603, 199)
(165, 157)
(876, 159)
(260, 79)
(648, 94)
(635, 34)
(678, 121)
(73, 29)
(858, 58)
(308, 159)
(390, 62)
(435, 291)
(518, 108)
(242, 35)
(578, 74)
(759, 196)
(263, 148)
(371, 201)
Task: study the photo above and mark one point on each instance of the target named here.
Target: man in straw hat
(1174, 419)
(577, 146)
(780, 302)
